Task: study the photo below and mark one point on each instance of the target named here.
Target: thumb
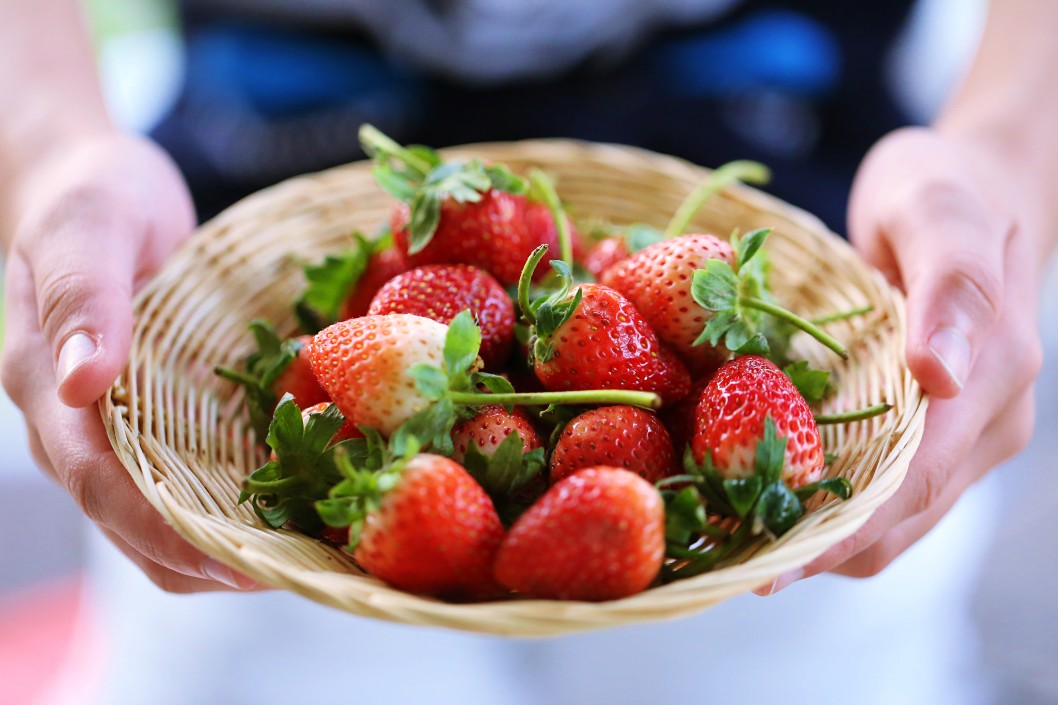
(951, 259)
(82, 262)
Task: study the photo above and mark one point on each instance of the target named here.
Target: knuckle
(78, 477)
(931, 485)
(168, 580)
(975, 274)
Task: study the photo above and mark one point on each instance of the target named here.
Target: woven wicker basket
(182, 435)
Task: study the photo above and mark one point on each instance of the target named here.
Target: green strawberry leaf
(779, 508)
(462, 343)
(284, 489)
(395, 183)
(742, 493)
(357, 494)
(549, 312)
(331, 282)
(685, 516)
(639, 237)
(429, 380)
(262, 368)
(757, 345)
(494, 383)
(715, 288)
(749, 244)
(837, 486)
(507, 470)
(812, 384)
(771, 453)
(425, 217)
(502, 179)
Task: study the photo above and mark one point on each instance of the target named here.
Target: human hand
(961, 229)
(92, 223)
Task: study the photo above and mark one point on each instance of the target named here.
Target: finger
(170, 580)
(995, 447)
(951, 256)
(81, 257)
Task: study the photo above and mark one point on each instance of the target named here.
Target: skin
(958, 215)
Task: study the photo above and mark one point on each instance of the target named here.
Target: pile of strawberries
(470, 423)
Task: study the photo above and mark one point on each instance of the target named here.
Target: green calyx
(261, 370)
(419, 176)
(505, 472)
(762, 503)
(738, 296)
(548, 312)
(331, 282)
(367, 471)
(304, 469)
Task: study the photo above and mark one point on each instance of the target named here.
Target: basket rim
(522, 617)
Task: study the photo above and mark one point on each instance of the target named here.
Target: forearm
(1010, 96)
(49, 92)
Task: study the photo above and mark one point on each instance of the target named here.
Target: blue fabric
(775, 49)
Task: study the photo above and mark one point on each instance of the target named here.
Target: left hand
(961, 229)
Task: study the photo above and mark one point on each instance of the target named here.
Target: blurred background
(974, 604)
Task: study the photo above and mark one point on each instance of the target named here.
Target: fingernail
(786, 580)
(952, 350)
(78, 349)
(216, 570)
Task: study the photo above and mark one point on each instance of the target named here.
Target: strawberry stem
(645, 400)
(796, 321)
(525, 280)
(842, 315)
(747, 171)
(543, 187)
(373, 140)
(849, 416)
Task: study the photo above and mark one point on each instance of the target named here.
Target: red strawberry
(298, 380)
(606, 344)
(657, 280)
(436, 532)
(441, 291)
(605, 254)
(490, 428)
(680, 419)
(381, 267)
(597, 535)
(730, 421)
(496, 233)
(618, 436)
(363, 364)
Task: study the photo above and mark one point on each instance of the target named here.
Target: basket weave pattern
(184, 438)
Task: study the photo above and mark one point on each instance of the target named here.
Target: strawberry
(381, 268)
(657, 280)
(441, 291)
(593, 338)
(495, 233)
(503, 452)
(343, 285)
(730, 421)
(618, 436)
(276, 368)
(420, 523)
(490, 428)
(463, 212)
(598, 534)
(363, 364)
(680, 419)
(297, 378)
(605, 254)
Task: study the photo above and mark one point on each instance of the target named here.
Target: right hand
(92, 222)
